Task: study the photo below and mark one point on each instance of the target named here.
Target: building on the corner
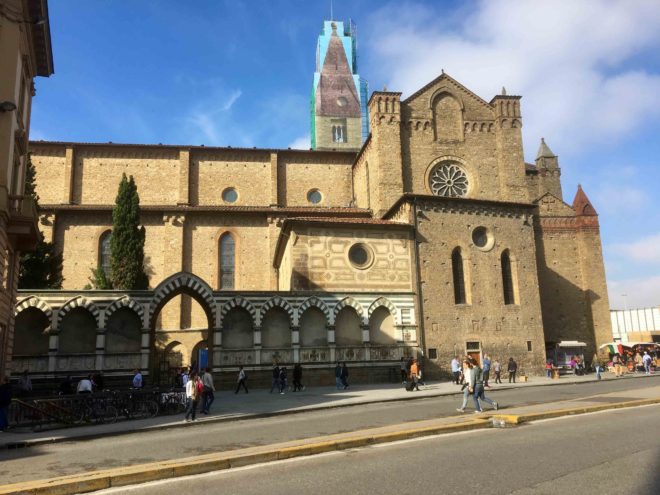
(433, 239)
(636, 325)
(25, 53)
(339, 113)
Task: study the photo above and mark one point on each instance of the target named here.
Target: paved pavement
(259, 404)
(571, 455)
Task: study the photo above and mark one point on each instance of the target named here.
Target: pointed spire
(503, 91)
(581, 204)
(544, 151)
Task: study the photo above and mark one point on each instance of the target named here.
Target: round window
(342, 101)
(314, 196)
(229, 195)
(449, 180)
(360, 256)
(482, 238)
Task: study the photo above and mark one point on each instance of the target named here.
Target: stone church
(431, 238)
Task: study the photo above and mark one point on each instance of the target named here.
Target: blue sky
(239, 73)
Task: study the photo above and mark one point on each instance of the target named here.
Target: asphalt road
(609, 452)
(47, 461)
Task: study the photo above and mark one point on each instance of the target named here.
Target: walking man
(284, 381)
(647, 363)
(191, 398)
(208, 390)
(344, 375)
(297, 377)
(512, 368)
(455, 370)
(414, 376)
(275, 382)
(338, 377)
(477, 384)
(242, 378)
(137, 379)
(486, 370)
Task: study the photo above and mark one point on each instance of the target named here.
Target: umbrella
(613, 347)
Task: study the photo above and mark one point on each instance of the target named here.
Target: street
(51, 460)
(609, 452)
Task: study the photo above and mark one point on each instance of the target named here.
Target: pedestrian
(573, 364)
(486, 370)
(647, 363)
(477, 385)
(595, 362)
(414, 376)
(5, 401)
(404, 371)
(456, 370)
(191, 398)
(338, 376)
(208, 389)
(497, 368)
(344, 375)
(66, 388)
(137, 379)
(185, 377)
(25, 384)
(275, 378)
(512, 368)
(85, 385)
(639, 362)
(616, 362)
(284, 381)
(241, 380)
(297, 377)
(548, 368)
(465, 388)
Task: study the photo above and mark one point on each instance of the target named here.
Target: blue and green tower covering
(338, 105)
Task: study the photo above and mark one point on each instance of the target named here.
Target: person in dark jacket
(338, 376)
(297, 377)
(512, 368)
(344, 375)
(284, 381)
(5, 401)
(275, 382)
(66, 387)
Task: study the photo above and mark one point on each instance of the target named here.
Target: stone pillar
(257, 345)
(184, 177)
(100, 349)
(69, 176)
(145, 350)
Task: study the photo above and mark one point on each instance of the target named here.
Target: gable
(551, 206)
(421, 101)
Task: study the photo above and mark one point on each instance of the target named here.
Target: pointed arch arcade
(183, 283)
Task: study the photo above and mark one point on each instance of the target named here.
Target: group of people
(458, 370)
(474, 381)
(411, 373)
(280, 378)
(636, 363)
(199, 388)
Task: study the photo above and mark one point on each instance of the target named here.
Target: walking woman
(477, 385)
(467, 390)
(242, 378)
(191, 397)
(497, 368)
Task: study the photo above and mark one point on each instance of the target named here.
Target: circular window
(482, 238)
(360, 256)
(449, 180)
(342, 101)
(229, 195)
(314, 196)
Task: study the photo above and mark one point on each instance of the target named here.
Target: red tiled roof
(582, 205)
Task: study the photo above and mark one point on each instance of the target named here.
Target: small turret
(581, 204)
(547, 165)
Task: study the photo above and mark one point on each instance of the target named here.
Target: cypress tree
(41, 269)
(127, 242)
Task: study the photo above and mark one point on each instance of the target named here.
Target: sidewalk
(259, 403)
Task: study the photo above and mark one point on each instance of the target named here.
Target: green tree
(41, 269)
(127, 242)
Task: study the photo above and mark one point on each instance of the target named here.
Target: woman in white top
(191, 398)
(467, 373)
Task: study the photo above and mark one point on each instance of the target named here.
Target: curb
(116, 477)
(98, 480)
(517, 419)
(223, 419)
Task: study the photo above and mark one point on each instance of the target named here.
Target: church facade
(434, 239)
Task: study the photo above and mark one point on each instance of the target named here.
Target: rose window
(448, 179)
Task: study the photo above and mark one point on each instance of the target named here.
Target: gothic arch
(34, 302)
(347, 301)
(239, 302)
(187, 283)
(316, 302)
(78, 302)
(280, 303)
(382, 301)
(124, 302)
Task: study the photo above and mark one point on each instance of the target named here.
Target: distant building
(636, 325)
(340, 118)
(25, 53)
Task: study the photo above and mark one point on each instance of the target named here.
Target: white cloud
(634, 292)
(209, 116)
(645, 250)
(568, 60)
(301, 143)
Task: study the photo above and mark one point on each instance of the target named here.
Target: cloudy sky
(239, 73)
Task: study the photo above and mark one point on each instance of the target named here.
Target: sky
(239, 73)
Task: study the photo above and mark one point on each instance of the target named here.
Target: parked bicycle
(135, 405)
(94, 410)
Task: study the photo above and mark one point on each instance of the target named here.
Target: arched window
(227, 262)
(507, 279)
(105, 252)
(459, 276)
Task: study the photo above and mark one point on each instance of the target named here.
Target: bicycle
(135, 407)
(94, 410)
